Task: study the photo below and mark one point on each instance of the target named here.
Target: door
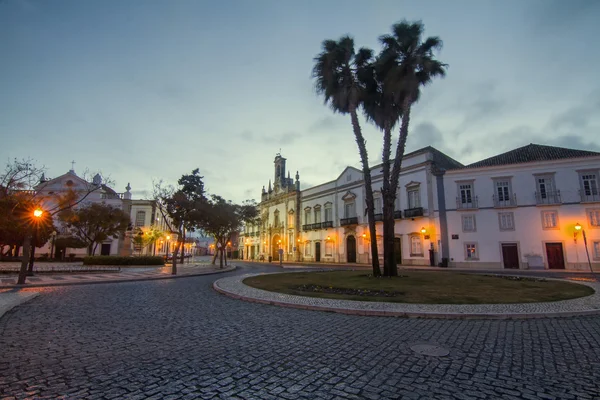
(318, 251)
(105, 249)
(556, 258)
(510, 255)
(398, 251)
(275, 244)
(351, 248)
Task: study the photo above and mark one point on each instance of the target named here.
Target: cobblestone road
(179, 339)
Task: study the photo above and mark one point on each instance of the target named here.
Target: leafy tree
(94, 223)
(404, 65)
(221, 219)
(181, 207)
(338, 72)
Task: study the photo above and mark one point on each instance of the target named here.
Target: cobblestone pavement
(173, 339)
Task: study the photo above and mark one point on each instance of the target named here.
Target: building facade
(520, 209)
(143, 214)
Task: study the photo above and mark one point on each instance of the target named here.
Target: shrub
(117, 260)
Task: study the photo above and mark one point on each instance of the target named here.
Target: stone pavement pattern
(173, 339)
(126, 274)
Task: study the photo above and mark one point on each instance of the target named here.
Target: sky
(147, 90)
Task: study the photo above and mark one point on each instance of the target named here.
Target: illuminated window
(471, 251)
(594, 217)
(307, 249)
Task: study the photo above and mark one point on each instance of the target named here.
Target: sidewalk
(11, 299)
(126, 275)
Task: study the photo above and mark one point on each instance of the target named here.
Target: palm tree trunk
(362, 149)
(388, 217)
(398, 160)
(174, 264)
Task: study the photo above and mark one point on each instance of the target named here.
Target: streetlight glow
(423, 230)
(38, 212)
(577, 227)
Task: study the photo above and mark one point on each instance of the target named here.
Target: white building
(327, 223)
(519, 209)
(516, 210)
(143, 213)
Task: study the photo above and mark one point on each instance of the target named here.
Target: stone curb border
(349, 310)
(21, 298)
(149, 278)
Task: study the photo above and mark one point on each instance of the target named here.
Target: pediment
(349, 196)
(350, 174)
(413, 183)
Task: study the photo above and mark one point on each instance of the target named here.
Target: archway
(351, 249)
(275, 245)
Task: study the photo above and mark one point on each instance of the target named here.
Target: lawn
(427, 287)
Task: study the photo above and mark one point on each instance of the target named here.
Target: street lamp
(587, 253)
(423, 230)
(38, 212)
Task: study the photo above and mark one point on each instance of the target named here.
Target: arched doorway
(275, 244)
(351, 249)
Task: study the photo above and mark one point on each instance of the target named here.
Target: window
(307, 216)
(506, 220)
(594, 217)
(328, 213)
(466, 193)
(290, 242)
(348, 178)
(589, 183)
(378, 205)
(597, 250)
(349, 210)
(307, 249)
(545, 186)
(471, 251)
(416, 247)
(317, 215)
(550, 219)
(276, 218)
(414, 198)
(503, 190)
(397, 205)
(140, 219)
(290, 220)
(329, 248)
(468, 223)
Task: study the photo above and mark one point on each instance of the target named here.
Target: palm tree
(336, 71)
(405, 64)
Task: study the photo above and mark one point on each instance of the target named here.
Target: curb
(21, 298)
(405, 314)
(150, 278)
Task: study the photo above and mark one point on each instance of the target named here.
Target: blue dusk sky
(143, 90)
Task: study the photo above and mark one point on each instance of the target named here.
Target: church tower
(280, 180)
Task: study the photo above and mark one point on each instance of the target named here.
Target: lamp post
(587, 253)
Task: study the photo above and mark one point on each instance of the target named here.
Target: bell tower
(279, 162)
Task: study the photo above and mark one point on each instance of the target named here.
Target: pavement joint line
(583, 306)
(136, 279)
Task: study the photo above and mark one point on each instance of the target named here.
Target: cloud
(323, 124)
(425, 134)
(557, 15)
(285, 138)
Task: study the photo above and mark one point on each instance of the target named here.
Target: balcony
(349, 221)
(315, 226)
(467, 204)
(327, 224)
(306, 227)
(398, 214)
(547, 198)
(379, 217)
(589, 198)
(413, 212)
(504, 202)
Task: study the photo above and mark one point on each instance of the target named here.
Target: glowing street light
(38, 212)
(423, 230)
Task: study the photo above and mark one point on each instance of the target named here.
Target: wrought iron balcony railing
(379, 217)
(327, 224)
(548, 197)
(503, 202)
(398, 214)
(467, 203)
(349, 221)
(413, 212)
(589, 197)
